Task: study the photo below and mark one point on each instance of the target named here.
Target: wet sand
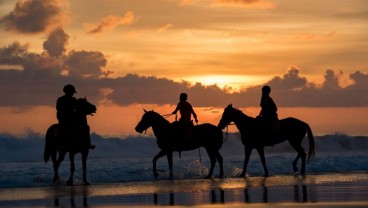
(327, 190)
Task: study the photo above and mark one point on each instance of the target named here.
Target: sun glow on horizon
(229, 82)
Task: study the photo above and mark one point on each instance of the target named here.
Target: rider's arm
(176, 109)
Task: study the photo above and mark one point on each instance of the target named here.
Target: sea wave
(30, 148)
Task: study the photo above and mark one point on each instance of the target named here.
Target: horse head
(227, 116)
(85, 107)
(149, 118)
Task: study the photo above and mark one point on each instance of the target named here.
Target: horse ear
(145, 110)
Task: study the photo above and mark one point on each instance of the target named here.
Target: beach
(322, 190)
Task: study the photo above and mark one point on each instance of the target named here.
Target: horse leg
(84, 164)
(248, 151)
(72, 169)
(263, 160)
(212, 156)
(170, 162)
(221, 163)
(295, 164)
(303, 156)
(56, 161)
(159, 155)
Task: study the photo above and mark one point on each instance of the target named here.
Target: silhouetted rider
(67, 117)
(65, 107)
(185, 109)
(268, 115)
(185, 124)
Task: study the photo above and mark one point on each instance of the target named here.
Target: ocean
(120, 160)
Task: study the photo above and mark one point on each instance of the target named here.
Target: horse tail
(49, 140)
(311, 152)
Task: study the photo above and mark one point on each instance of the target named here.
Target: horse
(58, 144)
(254, 137)
(169, 140)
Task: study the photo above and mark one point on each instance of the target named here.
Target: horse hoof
(156, 175)
(86, 183)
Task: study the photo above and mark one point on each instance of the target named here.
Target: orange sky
(119, 121)
(237, 44)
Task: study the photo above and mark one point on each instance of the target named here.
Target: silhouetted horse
(252, 136)
(58, 143)
(169, 140)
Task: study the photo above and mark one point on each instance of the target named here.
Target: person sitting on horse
(268, 115)
(185, 109)
(66, 112)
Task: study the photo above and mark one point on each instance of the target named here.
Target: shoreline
(324, 189)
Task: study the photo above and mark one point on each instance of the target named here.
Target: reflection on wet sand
(74, 193)
(263, 194)
(337, 188)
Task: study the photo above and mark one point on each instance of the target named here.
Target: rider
(186, 110)
(66, 112)
(268, 115)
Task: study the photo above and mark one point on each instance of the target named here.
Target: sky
(126, 55)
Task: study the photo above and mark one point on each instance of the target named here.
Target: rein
(167, 115)
(227, 132)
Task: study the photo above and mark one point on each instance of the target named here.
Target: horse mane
(245, 116)
(158, 116)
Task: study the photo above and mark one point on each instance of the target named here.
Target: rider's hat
(69, 89)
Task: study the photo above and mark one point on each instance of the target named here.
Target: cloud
(35, 16)
(110, 22)
(56, 43)
(39, 81)
(31, 63)
(291, 80)
(331, 80)
(360, 80)
(85, 63)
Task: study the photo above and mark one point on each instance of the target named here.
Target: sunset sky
(126, 55)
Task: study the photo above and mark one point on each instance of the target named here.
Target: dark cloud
(360, 80)
(56, 43)
(17, 54)
(34, 16)
(41, 81)
(85, 63)
(331, 80)
(291, 80)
